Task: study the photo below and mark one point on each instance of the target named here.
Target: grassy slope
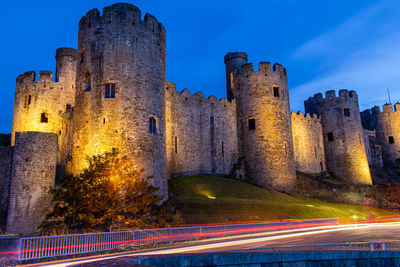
(204, 199)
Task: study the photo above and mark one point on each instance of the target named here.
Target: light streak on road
(248, 239)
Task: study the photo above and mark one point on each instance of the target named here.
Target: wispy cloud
(362, 54)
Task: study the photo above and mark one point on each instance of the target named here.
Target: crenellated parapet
(186, 95)
(264, 69)
(122, 17)
(305, 117)
(345, 98)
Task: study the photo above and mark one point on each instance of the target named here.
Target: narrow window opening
(330, 137)
(276, 91)
(315, 151)
(82, 58)
(223, 150)
(104, 120)
(152, 125)
(89, 85)
(346, 112)
(252, 124)
(322, 166)
(176, 144)
(44, 83)
(27, 101)
(44, 118)
(68, 107)
(59, 132)
(109, 90)
(391, 139)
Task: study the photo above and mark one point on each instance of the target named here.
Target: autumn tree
(111, 193)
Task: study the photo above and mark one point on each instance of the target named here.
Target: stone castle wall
(5, 175)
(32, 178)
(308, 143)
(120, 49)
(387, 125)
(201, 133)
(343, 135)
(373, 148)
(45, 105)
(264, 126)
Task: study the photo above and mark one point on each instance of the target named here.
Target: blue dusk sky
(324, 45)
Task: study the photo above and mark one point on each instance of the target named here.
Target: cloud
(362, 54)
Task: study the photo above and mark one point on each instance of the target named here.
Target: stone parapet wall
(201, 133)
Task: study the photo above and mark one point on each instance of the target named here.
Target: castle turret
(44, 105)
(233, 61)
(264, 125)
(66, 73)
(387, 128)
(343, 135)
(120, 89)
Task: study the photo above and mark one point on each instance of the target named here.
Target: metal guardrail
(62, 245)
(354, 246)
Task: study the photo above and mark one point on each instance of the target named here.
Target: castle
(111, 93)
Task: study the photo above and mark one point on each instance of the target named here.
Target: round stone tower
(388, 132)
(120, 89)
(343, 135)
(44, 105)
(233, 61)
(264, 126)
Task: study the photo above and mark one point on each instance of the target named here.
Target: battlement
(27, 81)
(126, 16)
(185, 93)
(387, 108)
(66, 51)
(263, 68)
(331, 95)
(305, 117)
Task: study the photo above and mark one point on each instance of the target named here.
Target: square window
(276, 91)
(252, 124)
(44, 118)
(346, 112)
(109, 90)
(330, 137)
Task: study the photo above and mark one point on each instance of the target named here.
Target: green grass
(205, 199)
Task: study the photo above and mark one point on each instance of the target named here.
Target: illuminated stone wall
(201, 133)
(119, 48)
(343, 135)
(267, 149)
(5, 175)
(32, 178)
(387, 125)
(308, 143)
(54, 99)
(372, 148)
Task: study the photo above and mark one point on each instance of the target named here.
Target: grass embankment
(204, 199)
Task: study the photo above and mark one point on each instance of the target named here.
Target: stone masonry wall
(118, 48)
(264, 126)
(201, 133)
(308, 143)
(387, 125)
(343, 135)
(5, 175)
(32, 178)
(372, 148)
